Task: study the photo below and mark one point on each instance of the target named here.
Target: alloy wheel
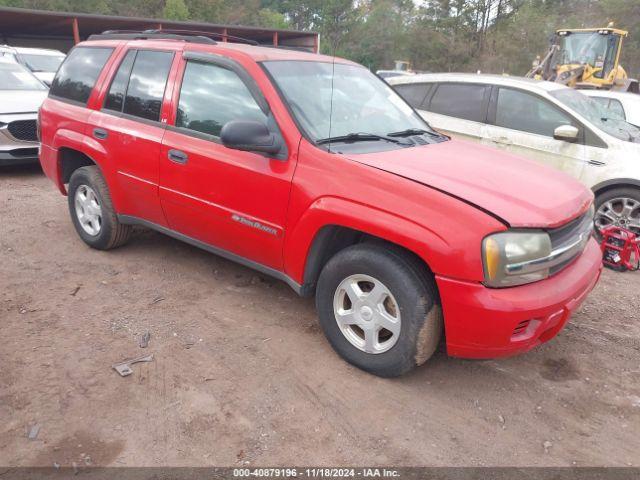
(367, 313)
(88, 210)
(620, 212)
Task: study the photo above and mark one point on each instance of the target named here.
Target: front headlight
(505, 255)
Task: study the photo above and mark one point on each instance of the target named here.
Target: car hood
(520, 192)
(21, 101)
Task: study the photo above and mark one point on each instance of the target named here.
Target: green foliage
(498, 36)
(175, 10)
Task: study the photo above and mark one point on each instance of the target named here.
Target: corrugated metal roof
(25, 23)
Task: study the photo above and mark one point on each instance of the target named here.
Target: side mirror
(249, 136)
(566, 133)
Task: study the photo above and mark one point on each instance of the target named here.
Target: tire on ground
(415, 292)
(112, 233)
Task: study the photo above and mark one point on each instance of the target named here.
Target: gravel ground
(242, 375)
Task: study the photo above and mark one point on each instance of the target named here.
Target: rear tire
(406, 300)
(92, 211)
(620, 207)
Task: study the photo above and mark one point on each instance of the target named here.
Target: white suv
(544, 121)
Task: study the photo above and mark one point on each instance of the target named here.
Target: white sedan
(544, 121)
(42, 62)
(624, 104)
(21, 95)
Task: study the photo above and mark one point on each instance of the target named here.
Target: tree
(495, 36)
(175, 10)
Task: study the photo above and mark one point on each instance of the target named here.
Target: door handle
(596, 163)
(502, 141)
(100, 133)
(178, 156)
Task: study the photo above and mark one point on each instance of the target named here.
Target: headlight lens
(503, 252)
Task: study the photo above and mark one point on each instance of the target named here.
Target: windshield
(42, 63)
(583, 48)
(16, 77)
(599, 116)
(361, 102)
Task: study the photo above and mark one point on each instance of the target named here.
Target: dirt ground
(242, 375)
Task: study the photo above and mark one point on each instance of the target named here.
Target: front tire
(92, 212)
(379, 309)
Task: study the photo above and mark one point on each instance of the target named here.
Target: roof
(617, 31)
(504, 80)
(256, 53)
(26, 23)
(260, 54)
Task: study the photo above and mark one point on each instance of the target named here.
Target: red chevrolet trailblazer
(312, 170)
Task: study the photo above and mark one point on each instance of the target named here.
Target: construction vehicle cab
(586, 58)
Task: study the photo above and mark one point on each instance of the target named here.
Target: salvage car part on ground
(620, 249)
(124, 367)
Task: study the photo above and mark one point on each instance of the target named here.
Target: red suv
(314, 171)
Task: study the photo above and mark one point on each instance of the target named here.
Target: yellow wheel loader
(585, 58)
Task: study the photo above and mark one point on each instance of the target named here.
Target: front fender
(437, 251)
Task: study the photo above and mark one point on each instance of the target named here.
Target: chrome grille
(567, 243)
(571, 234)
(23, 130)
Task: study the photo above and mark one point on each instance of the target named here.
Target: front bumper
(15, 151)
(482, 322)
(19, 156)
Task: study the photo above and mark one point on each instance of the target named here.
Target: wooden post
(275, 39)
(76, 31)
(224, 35)
(316, 46)
(159, 26)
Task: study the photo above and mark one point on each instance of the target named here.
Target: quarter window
(78, 73)
(466, 101)
(147, 83)
(211, 96)
(528, 113)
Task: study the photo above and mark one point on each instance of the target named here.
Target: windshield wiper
(414, 131)
(361, 137)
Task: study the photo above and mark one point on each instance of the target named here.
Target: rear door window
(147, 83)
(118, 89)
(413, 93)
(523, 111)
(461, 100)
(78, 73)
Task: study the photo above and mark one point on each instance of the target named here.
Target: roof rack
(191, 36)
(205, 34)
(148, 35)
